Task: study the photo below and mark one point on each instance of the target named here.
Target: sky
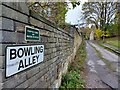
(73, 16)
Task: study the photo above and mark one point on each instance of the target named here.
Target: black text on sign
(19, 58)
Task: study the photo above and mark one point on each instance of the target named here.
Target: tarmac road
(98, 73)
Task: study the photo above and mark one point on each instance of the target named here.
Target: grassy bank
(114, 45)
(114, 41)
(76, 70)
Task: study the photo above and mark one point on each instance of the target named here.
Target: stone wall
(60, 47)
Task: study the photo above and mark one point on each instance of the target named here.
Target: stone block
(40, 74)
(7, 24)
(2, 63)
(20, 78)
(0, 37)
(47, 63)
(2, 49)
(10, 83)
(20, 6)
(44, 32)
(46, 52)
(7, 12)
(46, 57)
(1, 86)
(56, 84)
(20, 38)
(36, 77)
(44, 39)
(0, 22)
(0, 9)
(46, 26)
(41, 66)
(32, 71)
(35, 70)
(46, 76)
(1, 75)
(36, 22)
(20, 27)
(32, 80)
(8, 36)
(23, 85)
(42, 84)
(53, 55)
(35, 84)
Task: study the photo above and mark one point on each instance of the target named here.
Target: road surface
(99, 74)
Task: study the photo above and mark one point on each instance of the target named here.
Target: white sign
(19, 58)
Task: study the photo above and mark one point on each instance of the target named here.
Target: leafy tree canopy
(54, 11)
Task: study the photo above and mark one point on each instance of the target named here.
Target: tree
(54, 11)
(102, 14)
(118, 16)
(51, 10)
(99, 13)
(91, 12)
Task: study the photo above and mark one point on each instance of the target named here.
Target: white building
(92, 35)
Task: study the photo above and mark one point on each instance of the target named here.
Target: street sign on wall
(32, 34)
(19, 58)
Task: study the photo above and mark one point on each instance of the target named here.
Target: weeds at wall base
(73, 78)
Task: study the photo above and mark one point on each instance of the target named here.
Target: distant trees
(90, 13)
(86, 32)
(103, 15)
(99, 13)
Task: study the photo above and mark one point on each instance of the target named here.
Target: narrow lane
(111, 57)
(99, 75)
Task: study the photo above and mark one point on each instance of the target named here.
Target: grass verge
(74, 77)
(109, 49)
(113, 41)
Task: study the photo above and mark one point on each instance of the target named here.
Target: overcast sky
(74, 15)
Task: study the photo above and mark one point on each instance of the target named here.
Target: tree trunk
(118, 18)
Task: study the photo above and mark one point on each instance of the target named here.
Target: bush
(98, 33)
